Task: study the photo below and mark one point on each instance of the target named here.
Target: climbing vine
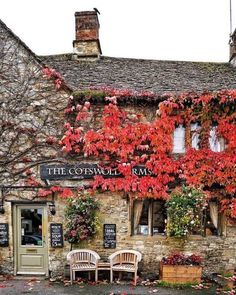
(123, 139)
(82, 220)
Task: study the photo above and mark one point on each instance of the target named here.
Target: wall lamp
(52, 207)
(2, 210)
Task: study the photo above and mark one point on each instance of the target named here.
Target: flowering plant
(184, 211)
(82, 221)
(181, 259)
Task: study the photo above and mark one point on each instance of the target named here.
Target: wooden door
(31, 240)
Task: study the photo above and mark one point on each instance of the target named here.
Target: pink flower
(73, 233)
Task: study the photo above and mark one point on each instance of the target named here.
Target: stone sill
(148, 237)
(163, 237)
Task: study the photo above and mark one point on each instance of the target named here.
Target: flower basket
(174, 270)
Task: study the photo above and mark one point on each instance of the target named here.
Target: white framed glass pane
(195, 139)
(31, 227)
(179, 140)
(216, 144)
(141, 215)
(159, 216)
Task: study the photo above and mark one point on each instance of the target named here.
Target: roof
(143, 75)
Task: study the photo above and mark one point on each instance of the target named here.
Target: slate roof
(140, 74)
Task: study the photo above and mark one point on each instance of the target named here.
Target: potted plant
(82, 220)
(179, 268)
(184, 209)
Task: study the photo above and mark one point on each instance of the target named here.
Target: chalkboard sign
(4, 241)
(109, 236)
(56, 232)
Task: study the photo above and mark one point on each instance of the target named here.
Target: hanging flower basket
(181, 269)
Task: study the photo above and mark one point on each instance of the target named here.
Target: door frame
(17, 205)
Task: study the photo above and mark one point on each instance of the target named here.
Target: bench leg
(89, 276)
(135, 278)
(96, 275)
(71, 276)
(111, 275)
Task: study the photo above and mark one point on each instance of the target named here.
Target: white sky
(193, 30)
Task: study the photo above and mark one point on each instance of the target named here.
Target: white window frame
(146, 230)
(195, 138)
(216, 144)
(179, 140)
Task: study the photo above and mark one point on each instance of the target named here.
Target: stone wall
(218, 253)
(31, 110)
(6, 253)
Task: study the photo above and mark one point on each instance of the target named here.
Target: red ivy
(124, 141)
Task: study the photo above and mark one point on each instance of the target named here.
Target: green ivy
(82, 220)
(184, 210)
(87, 94)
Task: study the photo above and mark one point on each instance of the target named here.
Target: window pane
(179, 140)
(195, 135)
(31, 227)
(159, 217)
(141, 217)
(212, 220)
(216, 144)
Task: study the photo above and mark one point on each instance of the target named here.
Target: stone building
(32, 119)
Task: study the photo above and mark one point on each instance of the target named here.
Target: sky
(190, 30)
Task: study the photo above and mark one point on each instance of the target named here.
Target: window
(216, 144)
(179, 140)
(195, 139)
(149, 217)
(213, 221)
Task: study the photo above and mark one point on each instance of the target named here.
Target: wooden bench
(125, 261)
(83, 260)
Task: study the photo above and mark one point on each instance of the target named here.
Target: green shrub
(184, 210)
(82, 221)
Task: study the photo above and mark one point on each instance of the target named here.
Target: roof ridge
(104, 57)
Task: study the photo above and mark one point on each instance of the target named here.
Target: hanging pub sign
(85, 171)
(4, 236)
(109, 236)
(56, 234)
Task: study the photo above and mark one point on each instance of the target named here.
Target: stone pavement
(45, 287)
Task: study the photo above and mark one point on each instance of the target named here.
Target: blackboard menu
(56, 233)
(109, 236)
(4, 241)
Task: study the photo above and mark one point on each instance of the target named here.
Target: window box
(180, 274)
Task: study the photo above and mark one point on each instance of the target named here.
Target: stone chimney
(232, 49)
(86, 43)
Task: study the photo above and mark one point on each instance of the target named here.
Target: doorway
(31, 249)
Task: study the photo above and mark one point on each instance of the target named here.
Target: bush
(184, 209)
(181, 259)
(82, 222)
